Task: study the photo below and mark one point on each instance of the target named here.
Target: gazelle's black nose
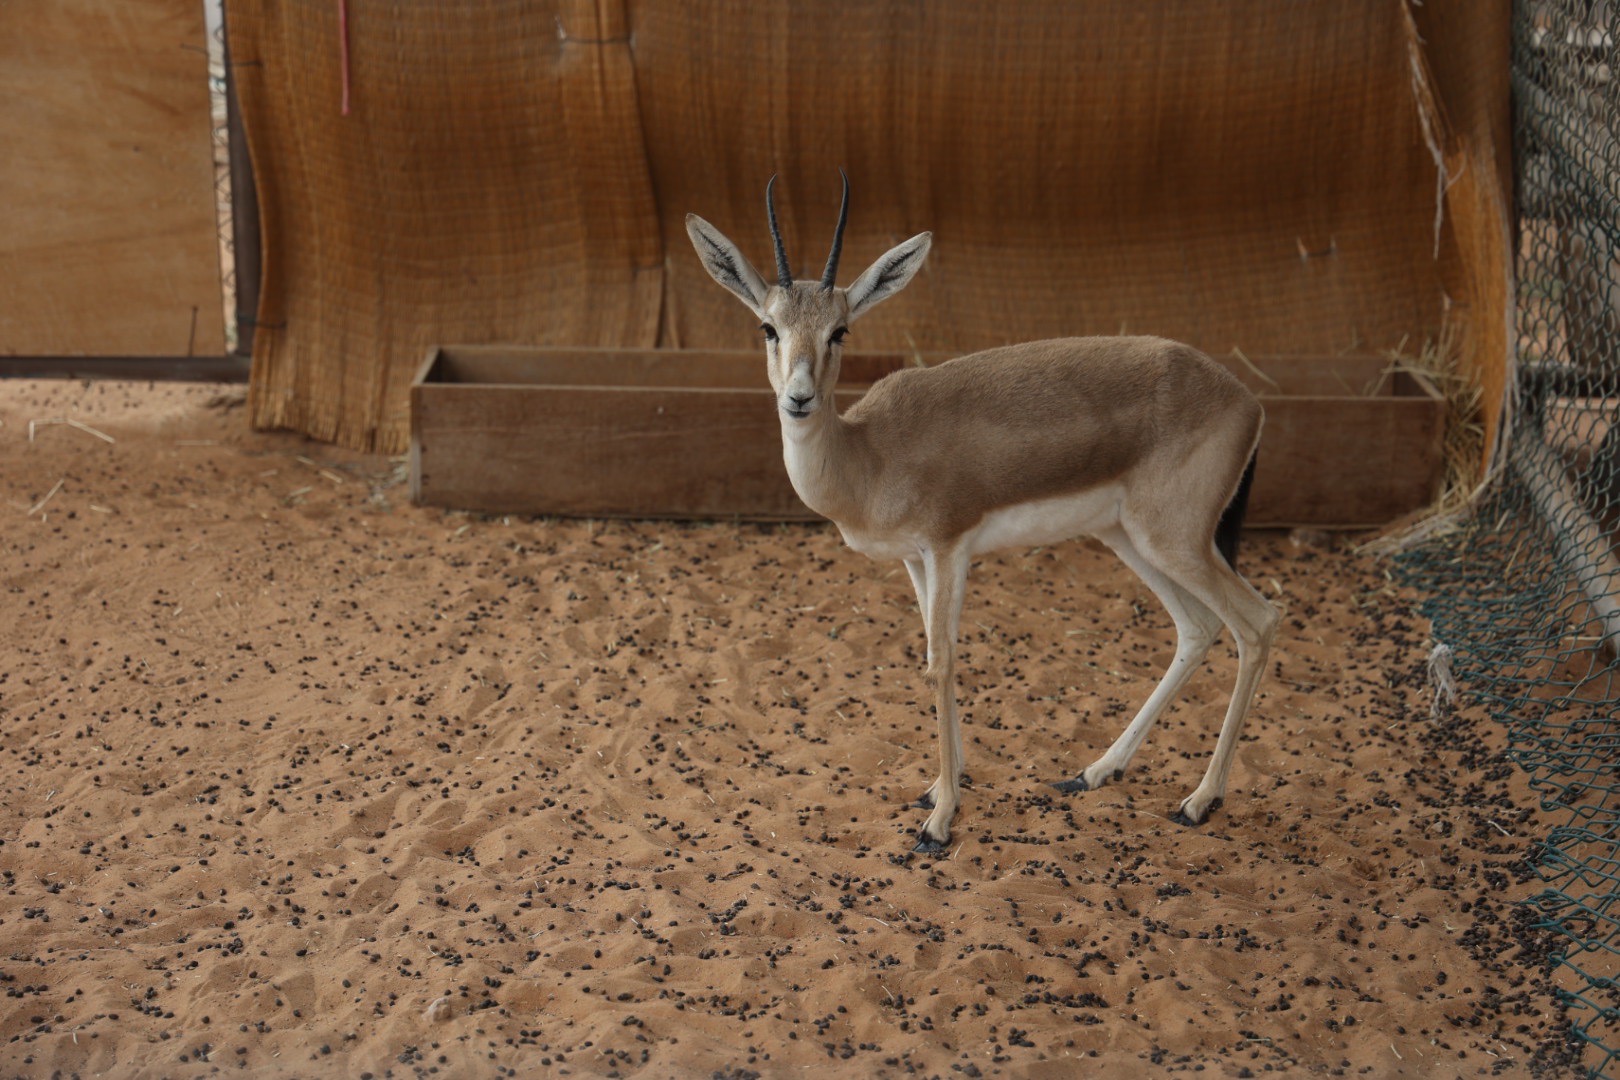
(800, 402)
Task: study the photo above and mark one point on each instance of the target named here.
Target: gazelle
(1144, 443)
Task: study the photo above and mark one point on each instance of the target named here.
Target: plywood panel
(108, 242)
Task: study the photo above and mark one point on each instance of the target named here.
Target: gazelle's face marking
(804, 328)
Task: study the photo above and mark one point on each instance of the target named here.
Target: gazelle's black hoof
(925, 802)
(1071, 787)
(1180, 817)
(927, 845)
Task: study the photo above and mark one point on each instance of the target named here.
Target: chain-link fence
(1526, 592)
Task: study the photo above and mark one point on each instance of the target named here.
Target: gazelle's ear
(888, 275)
(726, 264)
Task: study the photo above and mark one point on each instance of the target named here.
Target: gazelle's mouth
(799, 410)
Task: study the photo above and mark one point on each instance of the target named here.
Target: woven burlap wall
(1243, 175)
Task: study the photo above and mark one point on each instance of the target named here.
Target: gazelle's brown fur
(1139, 441)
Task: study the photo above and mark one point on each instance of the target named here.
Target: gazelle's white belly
(1044, 521)
(1047, 521)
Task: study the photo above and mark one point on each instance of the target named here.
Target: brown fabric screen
(488, 185)
(108, 240)
(1243, 175)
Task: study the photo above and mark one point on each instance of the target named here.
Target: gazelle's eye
(839, 334)
(770, 331)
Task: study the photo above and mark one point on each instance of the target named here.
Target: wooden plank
(233, 368)
(663, 433)
(633, 367)
(607, 452)
(1345, 462)
(1292, 376)
(1314, 376)
(628, 370)
(596, 451)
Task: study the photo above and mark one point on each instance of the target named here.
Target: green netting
(1526, 592)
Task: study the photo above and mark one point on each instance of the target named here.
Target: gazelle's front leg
(919, 582)
(945, 574)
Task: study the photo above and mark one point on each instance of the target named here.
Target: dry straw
(1463, 446)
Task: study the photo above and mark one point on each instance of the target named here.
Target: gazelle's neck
(818, 451)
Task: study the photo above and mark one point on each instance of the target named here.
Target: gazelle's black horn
(784, 273)
(831, 273)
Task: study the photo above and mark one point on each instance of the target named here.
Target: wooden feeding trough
(694, 434)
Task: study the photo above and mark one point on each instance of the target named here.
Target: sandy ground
(297, 779)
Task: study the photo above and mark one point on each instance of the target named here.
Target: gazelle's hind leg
(1199, 570)
(945, 573)
(1196, 628)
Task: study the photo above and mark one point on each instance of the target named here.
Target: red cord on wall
(343, 49)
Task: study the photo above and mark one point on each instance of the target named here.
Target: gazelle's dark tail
(1231, 523)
